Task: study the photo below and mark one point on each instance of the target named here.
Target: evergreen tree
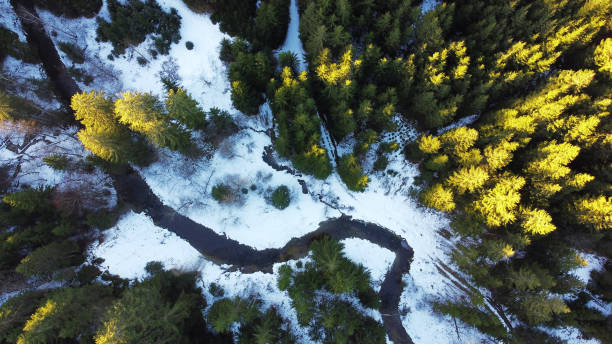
(498, 204)
(67, 314)
(350, 171)
(468, 179)
(145, 114)
(103, 135)
(183, 108)
(438, 197)
(45, 260)
(165, 308)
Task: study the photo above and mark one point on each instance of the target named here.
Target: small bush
(281, 197)
(222, 193)
(76, 54)
(216, 290)
(351, 174)
(57, 162)
(102, 219)
(189, 45)
(381, 163)
(222, 124)
(154, 267)
(284, 277)
(142, 61)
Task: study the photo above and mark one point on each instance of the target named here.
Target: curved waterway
(132, 189)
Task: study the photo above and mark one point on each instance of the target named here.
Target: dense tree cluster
(315, 290)
(121, 130)
(166, 307)
(263, 23)
(71, 8)
(133, 21)
(299, 128)
(530, 181)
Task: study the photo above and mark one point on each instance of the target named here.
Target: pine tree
(183, 108)
(145, 114)
(351, 174)
(536, 221)
(459, 140)
(165, 308)
(438, 198)
(468, 179)
(67, 314)
(500, 155)
(498, 204)
(539, 308)
(595, 211)
(103, 135)
(45, 260)
(15, 312)
(551, 160)
(603, 57)
(429, 144)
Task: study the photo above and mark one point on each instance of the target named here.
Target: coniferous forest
(495, 117)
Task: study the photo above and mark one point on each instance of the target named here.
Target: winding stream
(132, 189)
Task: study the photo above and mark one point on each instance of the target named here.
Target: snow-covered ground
(200, 70)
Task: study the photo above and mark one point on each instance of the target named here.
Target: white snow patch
(256, 222)
(570, 335)
(292, 41)
(200, 69)
(135, 241)
(376, 259)
(428, 5)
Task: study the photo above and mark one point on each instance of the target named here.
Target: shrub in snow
(216, 290)
(284, 277)
(142, 61)
(189, 45)
(381, 163)
(74, 53)
(222, 193)
(57, 162)
(281, 197)
(220, 125)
